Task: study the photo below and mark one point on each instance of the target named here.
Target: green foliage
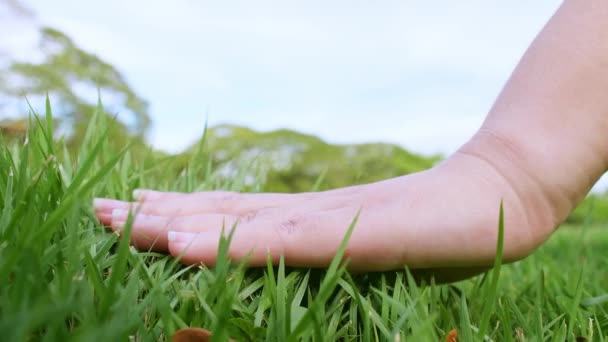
(63, 277)
(593, 209)
(73, 76)
(293, 162)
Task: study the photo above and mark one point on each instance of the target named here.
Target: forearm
(551, 120)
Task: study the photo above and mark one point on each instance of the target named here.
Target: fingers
(309, 240)
(176, 204)
(150, 232)
(104, 207)
(152, 195)
(202, 247)
(147, 195)
(306, 229)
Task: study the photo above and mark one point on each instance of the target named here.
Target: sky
(421, 74)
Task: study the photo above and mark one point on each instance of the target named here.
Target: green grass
(62, 276)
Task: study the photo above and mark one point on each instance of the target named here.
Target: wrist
(517, 176)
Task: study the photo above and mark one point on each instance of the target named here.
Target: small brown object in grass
(192, 335)
(452, 336)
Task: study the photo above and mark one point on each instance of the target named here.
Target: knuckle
(290, 224)
(289, 229)
(226, 201)
(247, 217)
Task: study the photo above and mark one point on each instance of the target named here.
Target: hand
(443, 218)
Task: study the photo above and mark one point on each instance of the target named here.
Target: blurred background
(315, 87)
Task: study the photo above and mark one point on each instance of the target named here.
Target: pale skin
(541, 148)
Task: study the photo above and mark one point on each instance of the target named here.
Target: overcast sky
(422, 74)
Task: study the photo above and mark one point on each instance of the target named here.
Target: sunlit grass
(63, 276)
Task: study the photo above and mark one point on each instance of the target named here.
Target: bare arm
(551, 120)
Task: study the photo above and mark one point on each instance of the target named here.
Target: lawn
(64, 277)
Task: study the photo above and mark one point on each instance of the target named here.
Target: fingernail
(180, 236)
(98, 203)
(137, 193)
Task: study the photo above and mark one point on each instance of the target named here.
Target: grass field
(63, 277)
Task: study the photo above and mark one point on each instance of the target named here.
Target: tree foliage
(66, 68)
(72, 77)
(289, 161)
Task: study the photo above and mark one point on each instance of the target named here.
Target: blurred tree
(293, 162)
(72, 77)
